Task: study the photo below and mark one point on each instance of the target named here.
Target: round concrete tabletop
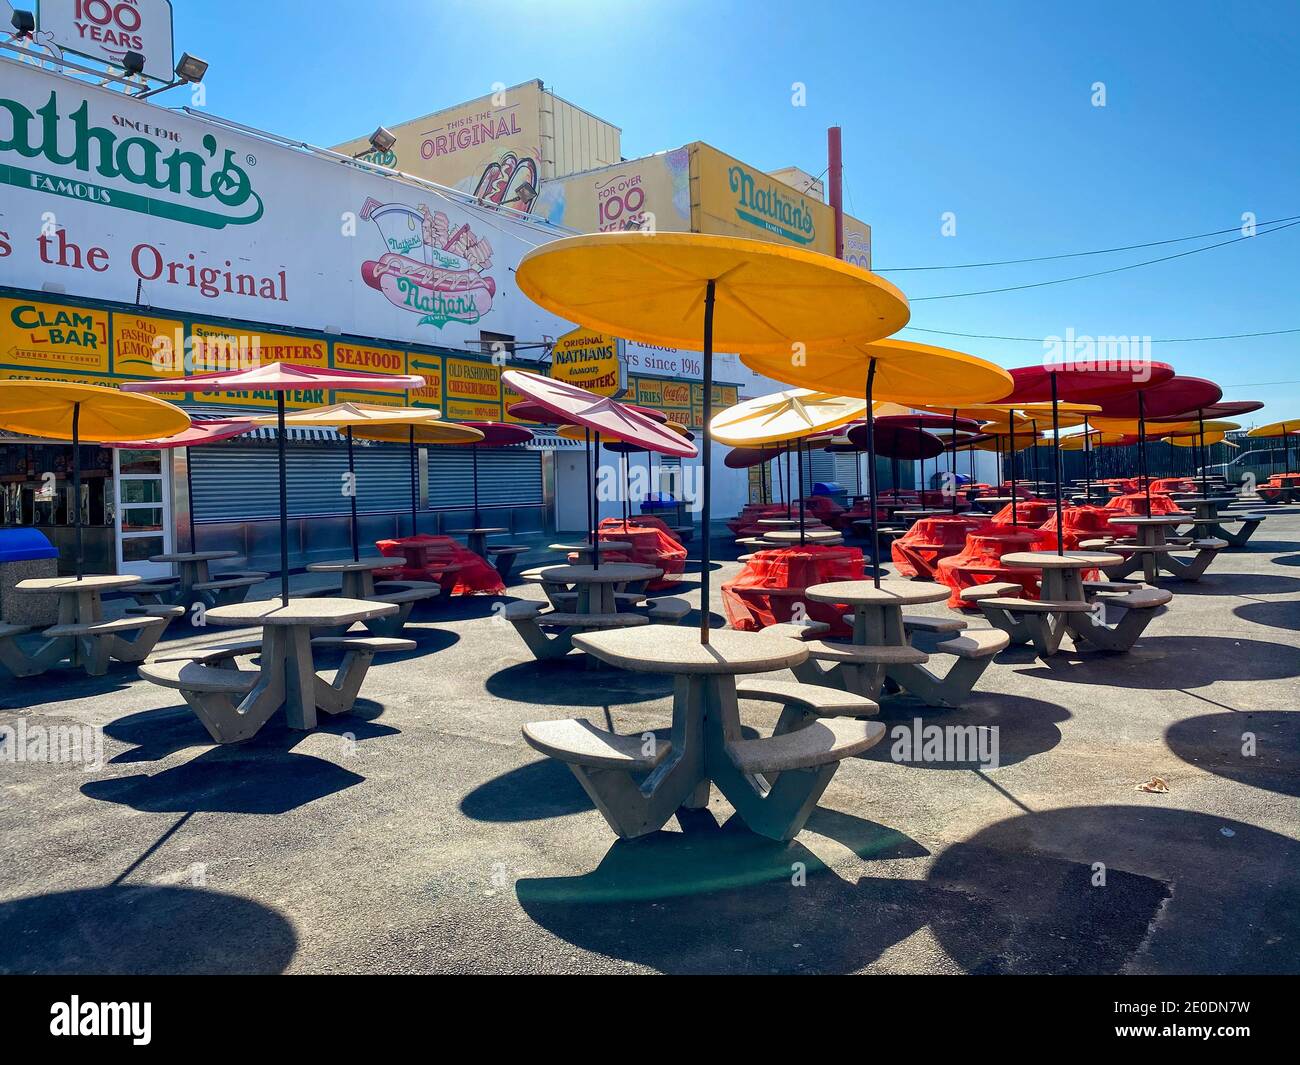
(193, 556)
(102, 582)
(926, 512)
(1069, 560)
(865, 593)
(1193, 500)
(793, 536)
(605, 545)
(673, 649)
(477, 532)
(783, 523)
(1004, 500)
(1163, 519)
(611, 573)
(353, 565)
(305, 611)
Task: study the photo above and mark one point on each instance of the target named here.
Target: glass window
(140, 461)
(140, 548)
(141, 519)
(141, 491)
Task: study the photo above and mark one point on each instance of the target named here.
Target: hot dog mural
(430, 267)
(510, 181)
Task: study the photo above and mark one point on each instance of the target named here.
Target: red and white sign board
(107, 29)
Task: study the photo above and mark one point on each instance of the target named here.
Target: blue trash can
(838, 493)
(26, 553)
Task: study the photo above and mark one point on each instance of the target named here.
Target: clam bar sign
(107, 29)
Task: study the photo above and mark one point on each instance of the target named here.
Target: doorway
(143, 515)
(570, 491)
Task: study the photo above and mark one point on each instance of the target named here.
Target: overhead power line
(1078, 254)
(1101, 273)
(1161, 340)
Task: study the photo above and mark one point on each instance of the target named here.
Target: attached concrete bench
(670, 609)
(505, 555)
(819, 744)
(1041, 622)
(99, 641)
(529, 621)
(227, 589)
(802, 704)
(152, 591)
(213, 694)
(405, 594)
(852, 667)
(992, 590)
(1153, 558)
(604, 764)
(1117, 621)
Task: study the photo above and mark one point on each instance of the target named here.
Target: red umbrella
(1084, 383)
(199, 433)
(280, 377)
(1228, 408)
(601, 415)
(495, 434)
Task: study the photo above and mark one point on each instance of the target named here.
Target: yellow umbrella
(695, 290)
(412, 433)
(1130, 426)
(1283, 428)
(1190, 439)
(66, 410)
(789, 415)
(348, 416)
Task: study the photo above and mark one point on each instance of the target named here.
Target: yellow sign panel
(509, 398)
(649, 193)
(430, 368)
(675, 393)
(72, 339)
(470, 379)
(374, 399)
(460, 410)
(368, 360)
(732, 199)
(682, 417)
(588, 359)
(148, 347)
(649, 393)
(215, 348)
(13, 374)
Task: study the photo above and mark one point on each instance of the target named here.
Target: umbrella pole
(802, 537)
(473, 451)
(1014, 456)
(709, 293)
(76, 481)
(352, 476)
(953, 454)
(586, 469)
(415, 502)
(1205, 487)
(1142, 449)
(189, 493)
(1087, 463)
(284, 500)
(871, 473)
(788, 497)
(1056, 452)
(595, 509)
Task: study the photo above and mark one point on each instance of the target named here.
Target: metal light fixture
(24, 23)
(133, 63)
(382, 139)
(191, 68)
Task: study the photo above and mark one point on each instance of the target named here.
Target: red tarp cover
(1135, 504)
(1079, 523)
(1028, 512)
(475, 577)
(918, 550)
(979, 561)
(749, 599)
(651, 546)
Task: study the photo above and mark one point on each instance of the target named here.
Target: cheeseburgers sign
(589, 360)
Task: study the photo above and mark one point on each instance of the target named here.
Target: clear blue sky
(983, 110)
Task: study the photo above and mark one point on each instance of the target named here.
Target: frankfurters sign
(107, 29)
(589, 360)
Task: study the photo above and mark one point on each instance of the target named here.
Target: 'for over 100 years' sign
(107, 29)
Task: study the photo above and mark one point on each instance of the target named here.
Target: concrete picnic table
(595, 586)
(793, 537)
(707, 746)
(881, 657)
(1208, 517)
(192, 567)
(586, 551)
(357, 574)
(81, 636)
(1151, 550)
(476, 539)
(989, 504)
(288, 675)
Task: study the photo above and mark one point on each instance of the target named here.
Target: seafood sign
(429, 268)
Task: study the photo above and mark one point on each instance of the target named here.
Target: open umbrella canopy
(210, 431)
(431, 432)
(906, 372)
(924, 420)
(279, 377)
(742, 458)
(499, 434)
(613, 443)
(898, 441)
(1282, 428)
(1194, 439)
(1168, 398)
(650, 287)
(790, 415)
(531, 411)
(1130, 425)
(1227, 408)
(352, 415)
(46, 409)
(1083, 382)
(598, 413)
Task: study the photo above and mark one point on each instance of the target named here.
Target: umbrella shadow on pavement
(1283, 615)
(572, 682)
(1260, 748)
(1109, 889)
(63, 685)
(143, 929)
(721, 899)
